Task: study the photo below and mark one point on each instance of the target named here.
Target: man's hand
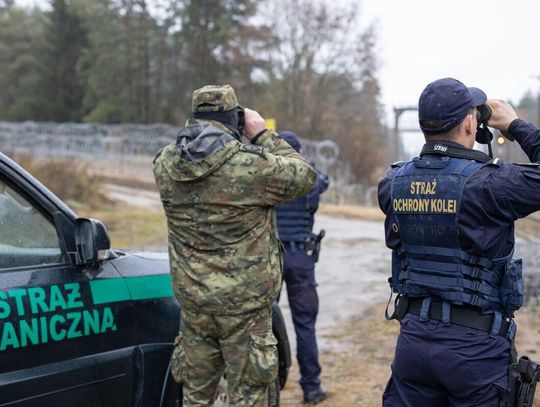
(502, 114)
(254, 123)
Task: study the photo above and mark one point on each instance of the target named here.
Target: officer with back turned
(219, 196)
(295, 224)
(450, 217)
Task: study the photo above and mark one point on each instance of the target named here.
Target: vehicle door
(62, 342)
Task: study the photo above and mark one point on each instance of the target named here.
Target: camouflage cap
(214, 98)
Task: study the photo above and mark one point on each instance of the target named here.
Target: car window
(27, 238)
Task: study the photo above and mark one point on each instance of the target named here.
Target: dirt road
(352, 274)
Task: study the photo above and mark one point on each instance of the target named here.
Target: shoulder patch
(253, 149)
(398, 164)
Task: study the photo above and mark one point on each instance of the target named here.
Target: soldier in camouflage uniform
(219, 196)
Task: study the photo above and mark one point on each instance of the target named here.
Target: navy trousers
(299, 276)
(439, 366)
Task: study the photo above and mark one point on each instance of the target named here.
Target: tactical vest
(426, 198)
(295, 218)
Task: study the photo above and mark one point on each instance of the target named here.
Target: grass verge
(132, 227)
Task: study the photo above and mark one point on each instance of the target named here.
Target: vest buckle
(476, 273)
(476, 301)
(476, 285)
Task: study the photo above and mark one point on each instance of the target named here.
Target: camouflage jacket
(219, 197)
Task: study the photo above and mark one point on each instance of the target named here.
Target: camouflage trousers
(242, 347)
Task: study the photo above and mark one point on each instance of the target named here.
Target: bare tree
(308, 49)
(322, 78)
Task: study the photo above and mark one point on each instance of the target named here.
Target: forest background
(311, 65)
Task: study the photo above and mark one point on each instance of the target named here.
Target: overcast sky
(490, 44)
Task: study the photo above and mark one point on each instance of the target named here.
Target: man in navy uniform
(295, 226)
(450, 217)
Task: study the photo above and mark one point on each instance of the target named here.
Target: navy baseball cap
(445, 103)
(292, 139)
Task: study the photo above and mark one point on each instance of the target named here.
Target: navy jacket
(493, 198)
(295, 218)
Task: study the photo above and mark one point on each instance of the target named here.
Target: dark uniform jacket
(295, 218)
(493, 198)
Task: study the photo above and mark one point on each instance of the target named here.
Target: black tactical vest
(430, 262)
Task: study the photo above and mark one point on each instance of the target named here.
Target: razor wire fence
(126, 150)
(127, 141)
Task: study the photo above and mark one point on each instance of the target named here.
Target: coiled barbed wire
(113, 140)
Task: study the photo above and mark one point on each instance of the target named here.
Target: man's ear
(469, 125)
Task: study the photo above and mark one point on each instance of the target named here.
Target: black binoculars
(241, 119)
(483, 135)
(483, 113)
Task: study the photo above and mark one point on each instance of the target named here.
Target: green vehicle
(82, 324)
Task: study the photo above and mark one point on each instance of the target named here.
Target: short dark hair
(450, 134)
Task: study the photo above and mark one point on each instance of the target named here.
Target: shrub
(69, 178)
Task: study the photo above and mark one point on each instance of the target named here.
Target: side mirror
(92, 241)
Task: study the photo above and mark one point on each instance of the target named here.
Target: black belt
(459, 315)
(306, 245)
